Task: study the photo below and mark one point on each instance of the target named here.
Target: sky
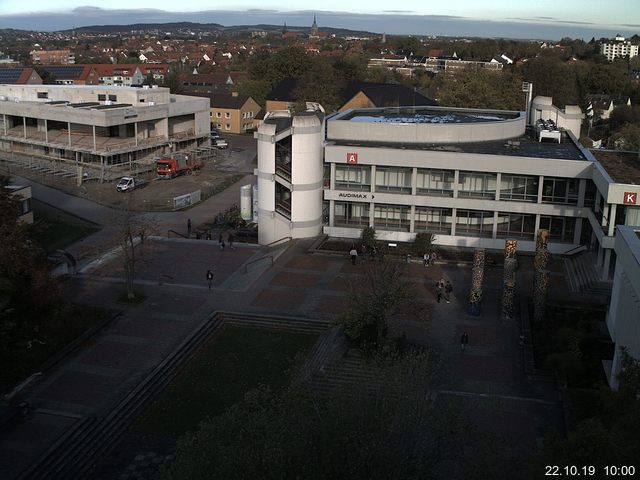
(489, 18)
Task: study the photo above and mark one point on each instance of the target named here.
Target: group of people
(443, 289)
(429, 258)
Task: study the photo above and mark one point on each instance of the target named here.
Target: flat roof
(425, 115)
(524, 146)
(622, 167)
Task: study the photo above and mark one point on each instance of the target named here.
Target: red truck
(179, 164)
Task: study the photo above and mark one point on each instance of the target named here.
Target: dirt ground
(157, 195)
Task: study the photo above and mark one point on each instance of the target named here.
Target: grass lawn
(56, 229)
(228, 366)
(55, 330)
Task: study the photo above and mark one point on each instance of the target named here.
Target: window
(353, 177)
(561, 229)
(392, 179)
(519, 188)
(227, 115)
(347, 214)
(560, 190)
(113, 98)
(218, 115)
(433, 220)
(435, 182)
(227, 126)
(474, 223)
(392, 217)
(516, 225)
(477, 185)
(43, 94)
(25, 206)
(102, 97)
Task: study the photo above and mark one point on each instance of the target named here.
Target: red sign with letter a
(352, 158)
(630, 198)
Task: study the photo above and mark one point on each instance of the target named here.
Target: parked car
(129, 183)
(219, 143)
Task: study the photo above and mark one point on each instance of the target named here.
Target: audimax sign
(362, 196)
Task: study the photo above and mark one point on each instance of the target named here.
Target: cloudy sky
(500, 18)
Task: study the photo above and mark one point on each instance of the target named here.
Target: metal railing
(246, 265)
(169, 232)
(278, 241)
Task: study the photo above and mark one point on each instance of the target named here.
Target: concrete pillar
(373, 179)
(24, 126)
(46, 131)
(498, 185)
(93, 127)
(600, 256)
(332, 206)
(540, 189)
(456, 180)
(371, 209)
(582, 189)
(332, 180)
(454, 214)
(577, 231)
(537, 224)
(412, 221)
(69, 132)
(135, 130)
(612, 219)
(607, 262)
(596, 204)
(414, 182)
(494, 233)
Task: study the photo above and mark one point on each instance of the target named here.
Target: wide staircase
(583, 277)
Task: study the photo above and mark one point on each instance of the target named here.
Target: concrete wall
(569, 118)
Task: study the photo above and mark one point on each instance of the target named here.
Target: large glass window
(477, 185)
(519, 188)
(590, 194)
(560, 190)
(435, 182)
(349, 214)
(392, 217)
(353, 177)
(516, 225)
(561, 229)
(433, 220)
(392, 179)
(474, 223)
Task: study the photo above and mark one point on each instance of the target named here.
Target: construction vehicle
(179, 164)
(126, 184)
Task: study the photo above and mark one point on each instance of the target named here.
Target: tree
(381, 292)
(480, 88)
(320, 83)
(423, 243)
(358, 432)
(368, 238)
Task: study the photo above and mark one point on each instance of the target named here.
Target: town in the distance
(309, 252)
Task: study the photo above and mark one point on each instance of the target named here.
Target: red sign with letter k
(630, 198)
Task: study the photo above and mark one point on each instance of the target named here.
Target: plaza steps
(82, 447)
(329, 348)
(583, 277)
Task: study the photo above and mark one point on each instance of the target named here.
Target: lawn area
(56, 229)
(35, 340)
(228, 366)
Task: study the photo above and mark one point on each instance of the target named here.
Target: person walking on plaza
(221, 243)
(434, 256)
(439, 291)
(209, 278)
(354, 254)
(425, 259)
(448, 288)
(464, 340)
(188, 227)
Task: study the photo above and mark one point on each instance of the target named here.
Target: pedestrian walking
(434, 256)
(189, 227)
(221, 243)
(464, 341)
(209, 278)
(425, 259)
(448, 288)
(439, 291)
(354, 254)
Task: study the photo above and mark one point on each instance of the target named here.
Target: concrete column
(596, 205)
(600, 256)
(454, 214)
(135, 132)
(498, 186)
(577, 231)
(24, 126)
(456, 180)
(69, 132)
(373, 181)
(582, 189)
(605, 267)
(612, 219)
(371, 208)
(94, 136)
(494, 233)
(540, 189)
(46, 131)
(332, 206)
(412, 224)
(414, 182)
(5, 124)
(605, 215)
(332, 181)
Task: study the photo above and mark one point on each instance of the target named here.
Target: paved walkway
(486, 380)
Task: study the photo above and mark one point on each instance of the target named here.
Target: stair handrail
(177, 233)
(578, 249)
(246, 265)
(289, 238)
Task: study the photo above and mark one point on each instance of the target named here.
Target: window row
(435, 182)
(473, 223)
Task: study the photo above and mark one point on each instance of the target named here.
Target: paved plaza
(487, 379)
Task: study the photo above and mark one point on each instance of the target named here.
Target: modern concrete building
(471, 177)
(93, 129)
(623, 318)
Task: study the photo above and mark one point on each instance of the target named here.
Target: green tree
(320, 83)
(479, 88)
(368, 238)
(290, 62)
(423, 243)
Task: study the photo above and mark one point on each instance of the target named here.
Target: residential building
(50, 57)
(603, 105)
(623, 318)
(471, 177)
(100, 131)
(233, 113)
(72, 74)
(369, 95)
(19, 76)
(618, 48)
(126, 75)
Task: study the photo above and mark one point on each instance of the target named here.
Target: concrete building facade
(618, 48)
(95, 128)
